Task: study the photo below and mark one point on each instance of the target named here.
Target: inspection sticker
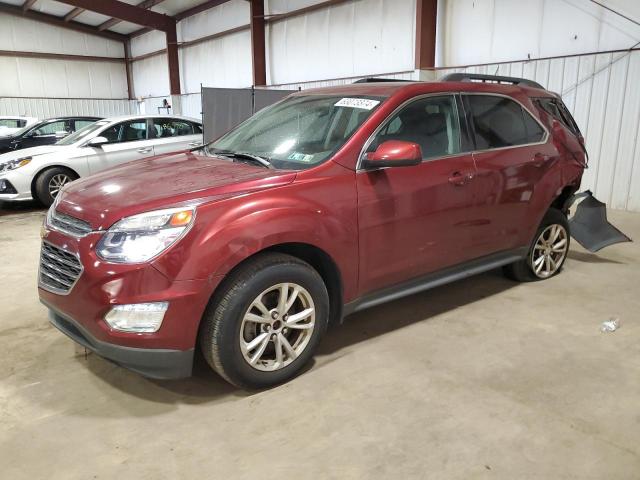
(364, 103)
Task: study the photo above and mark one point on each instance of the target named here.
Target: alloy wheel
(549, 251)
(277, 327)
(57, 182)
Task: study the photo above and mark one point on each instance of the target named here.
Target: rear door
(511, 155)
(173, 134)
(127, 141)
(413, 220)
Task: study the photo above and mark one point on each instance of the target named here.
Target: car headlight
(13, 164)
(140, 238)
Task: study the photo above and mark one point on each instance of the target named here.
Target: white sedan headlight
(140, 238)
(13, 164)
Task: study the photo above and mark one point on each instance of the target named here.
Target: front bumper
(21, 187)
(153, 363)
(80, 311)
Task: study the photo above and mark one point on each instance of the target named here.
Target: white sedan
(40, 172)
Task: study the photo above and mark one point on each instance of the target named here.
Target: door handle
(539, 159)
(144, 150)
(460, 178)
(194, 144)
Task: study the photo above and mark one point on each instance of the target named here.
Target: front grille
(59, 270)
(68, 224)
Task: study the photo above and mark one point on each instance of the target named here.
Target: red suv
(328, 202)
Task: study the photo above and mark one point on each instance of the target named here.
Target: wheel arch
(43, 170)
(319, 259)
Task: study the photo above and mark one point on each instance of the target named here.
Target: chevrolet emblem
(43, 232)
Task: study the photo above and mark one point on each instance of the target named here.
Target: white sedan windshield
(83, 133)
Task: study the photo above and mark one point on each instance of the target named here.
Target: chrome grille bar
(68, 224)
(59, 270)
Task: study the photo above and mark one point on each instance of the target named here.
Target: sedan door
(413, 220)
(174, 134)
(127, 141)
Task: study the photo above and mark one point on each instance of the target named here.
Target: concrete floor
(480, 379)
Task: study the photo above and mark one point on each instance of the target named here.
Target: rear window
(559, 111)
(501, 122)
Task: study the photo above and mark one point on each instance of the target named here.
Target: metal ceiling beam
(146, 4)
(73, 14)
(125, 12)
(59, 22)
(28, 4)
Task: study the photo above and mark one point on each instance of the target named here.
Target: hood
(162, 182)
(31, 152)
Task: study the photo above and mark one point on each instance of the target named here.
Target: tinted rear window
(501, 122)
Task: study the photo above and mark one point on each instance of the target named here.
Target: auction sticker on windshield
(363, 103)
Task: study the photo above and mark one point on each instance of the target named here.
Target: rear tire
(265, 322)
(547, 252)
(49, 183)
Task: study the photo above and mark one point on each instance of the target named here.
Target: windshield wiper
(244, 156)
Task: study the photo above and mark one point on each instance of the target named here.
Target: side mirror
(393, 153)
(97, 142)
(61, 134)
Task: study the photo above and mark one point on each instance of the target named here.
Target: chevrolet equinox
(328, 202)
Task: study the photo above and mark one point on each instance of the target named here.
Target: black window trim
(383, 123)
(472, 125)
(122, 122)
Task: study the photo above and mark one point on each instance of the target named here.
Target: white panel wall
(363, 37)
(47, 107)
(486, 31)
(151, 76)
(31, 77)
(602, 93)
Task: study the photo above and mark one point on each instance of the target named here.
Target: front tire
(265, 322)
(547, 252)
(49, 183)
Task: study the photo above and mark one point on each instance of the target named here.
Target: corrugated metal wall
(53, 107)
(602, 92)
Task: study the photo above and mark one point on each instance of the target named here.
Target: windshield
(299, 132)
(82, 134)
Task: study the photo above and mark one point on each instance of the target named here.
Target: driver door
(47, 134)
(413, 220)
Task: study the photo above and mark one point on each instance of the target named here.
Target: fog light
(137, 317)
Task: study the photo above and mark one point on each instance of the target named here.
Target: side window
(502, 122)
(12, 123)
(168, 127)
(83, 123)
(51, 129)
(126, 132)
(430, 122)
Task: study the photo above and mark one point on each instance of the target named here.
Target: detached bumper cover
(589, 225)
(152, 363)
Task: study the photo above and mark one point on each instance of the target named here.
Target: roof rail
(376, 80)
(470, 77)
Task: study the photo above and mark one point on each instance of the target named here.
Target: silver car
(40, 172)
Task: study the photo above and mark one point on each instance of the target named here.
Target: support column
(173, 60)
(426, 16)
(258, 43)
(127, 65)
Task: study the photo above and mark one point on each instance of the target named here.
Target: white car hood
(35, 151)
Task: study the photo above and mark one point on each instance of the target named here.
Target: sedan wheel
(277, 327)
(57, 182)
(549, 251)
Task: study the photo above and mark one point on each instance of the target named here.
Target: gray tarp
(224, 108)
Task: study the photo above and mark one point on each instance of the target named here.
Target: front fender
(230, 231)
